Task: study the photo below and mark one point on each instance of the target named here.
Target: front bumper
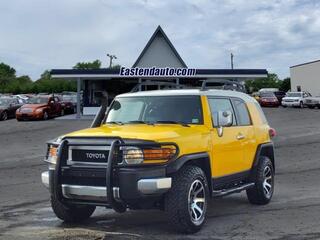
(127, 190)
(290, 104)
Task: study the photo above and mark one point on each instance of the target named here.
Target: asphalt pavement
(294, 212)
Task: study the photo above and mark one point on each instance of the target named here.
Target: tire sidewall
(4, 116)
(259, 178)
(45, 115)
(177, 199)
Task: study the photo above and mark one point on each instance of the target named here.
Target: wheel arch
(201, 160)
(264, 150)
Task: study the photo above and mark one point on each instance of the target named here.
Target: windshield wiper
(115, 122)
(173, 122)
(140, 122)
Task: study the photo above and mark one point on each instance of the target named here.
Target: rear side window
(262, 116)
(220, 104)
(243, 117)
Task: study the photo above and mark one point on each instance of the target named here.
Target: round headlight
(132, 155)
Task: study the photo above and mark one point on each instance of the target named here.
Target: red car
(40, 107)
(268, 99)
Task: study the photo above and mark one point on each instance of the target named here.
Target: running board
(224, 192)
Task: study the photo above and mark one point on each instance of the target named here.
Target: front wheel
(263, 177)
(45, 115)
(71, 214)
(301, 105)
(4, 116)
(187, 200)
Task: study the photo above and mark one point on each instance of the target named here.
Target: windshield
(69, 98)
(294, 94)
(38, 100)
(267, 94)
(4, 101)
(156, 109)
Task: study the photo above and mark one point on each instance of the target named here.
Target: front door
(227, 150)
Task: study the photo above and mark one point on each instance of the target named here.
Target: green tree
(285, 84)
(88, 65)
(7, 71)
(271, 81)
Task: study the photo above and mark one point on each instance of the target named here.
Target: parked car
(295, 99)
(268, 99)
(312, 102)
(170, 149)
(21, 98)
(69, 103)
(8, 107)
(268, 90)
(280, 95)
(40, 107)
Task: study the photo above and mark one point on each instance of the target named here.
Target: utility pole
(111, 58)
(231, 56)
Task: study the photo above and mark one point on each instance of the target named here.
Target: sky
(36, 35)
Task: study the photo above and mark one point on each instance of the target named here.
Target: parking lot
(25, 212)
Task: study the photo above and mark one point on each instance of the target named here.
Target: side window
(56, 99)
(220, 104)
(242, 113)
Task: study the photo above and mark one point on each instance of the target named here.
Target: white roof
(196, 92)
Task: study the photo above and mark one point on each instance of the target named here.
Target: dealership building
(158, 61)
(306, 77)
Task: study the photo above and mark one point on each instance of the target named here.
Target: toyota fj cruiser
(171, 150)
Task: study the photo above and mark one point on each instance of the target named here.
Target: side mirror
(225, 119)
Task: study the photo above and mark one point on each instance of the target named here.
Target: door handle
(240, 136)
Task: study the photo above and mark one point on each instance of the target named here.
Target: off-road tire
(177, 201)
(257, 194)
(71, 214)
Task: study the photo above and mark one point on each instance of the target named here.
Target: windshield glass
(38, 100)
(156, 109)
(267, 94)
(4, 101)
(294, 94)
(69, 98)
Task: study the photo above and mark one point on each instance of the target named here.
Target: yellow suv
(171, 150)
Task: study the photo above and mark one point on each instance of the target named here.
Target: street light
(111, 58)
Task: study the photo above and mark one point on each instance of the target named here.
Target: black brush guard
(115, 143)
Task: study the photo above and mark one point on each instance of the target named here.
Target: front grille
(84, 176)
(90, 155)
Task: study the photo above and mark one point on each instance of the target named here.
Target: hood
(34, 106)
(189, 139)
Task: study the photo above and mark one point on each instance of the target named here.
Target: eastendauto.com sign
(154, 71)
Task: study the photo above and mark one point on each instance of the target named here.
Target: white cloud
(273, 34)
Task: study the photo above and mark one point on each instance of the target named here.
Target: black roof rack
(224, 84)
(162, 85)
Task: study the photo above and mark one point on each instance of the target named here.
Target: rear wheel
(186, 202)
(263, 178)
(74, 213)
